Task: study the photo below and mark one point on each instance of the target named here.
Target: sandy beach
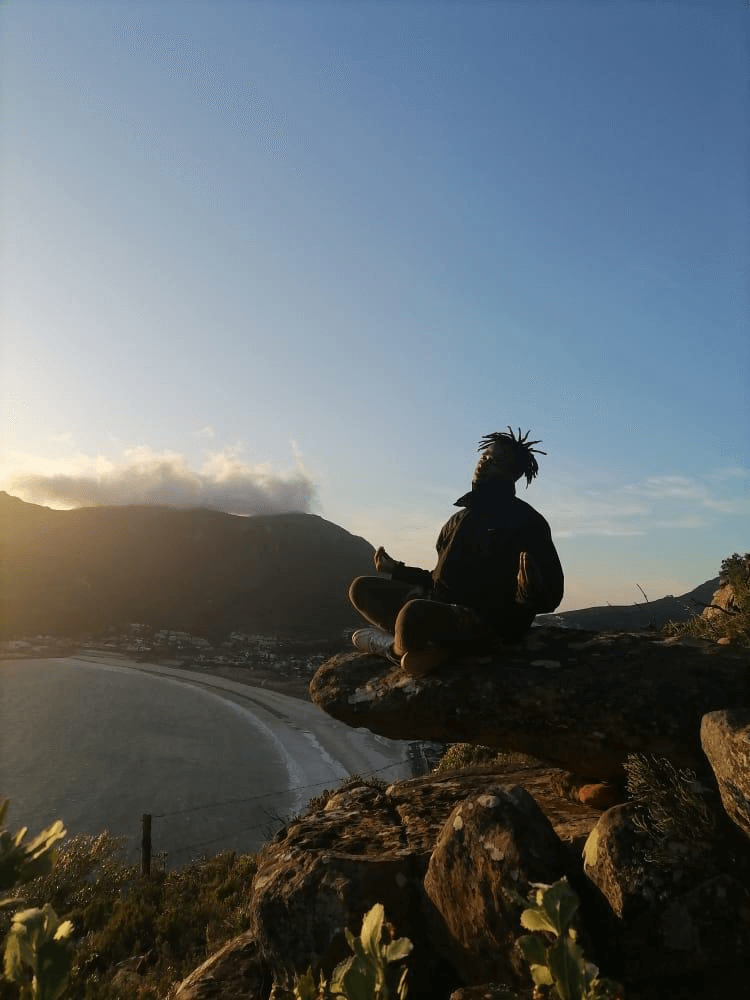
(99, 740)
(318, 747)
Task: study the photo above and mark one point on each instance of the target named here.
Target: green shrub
(461, 755)
(36, 958)
(556, 960)
(671, 806)
(366, 975)
(87, 875)
(165, 925)
(21, 862)
(170, 923)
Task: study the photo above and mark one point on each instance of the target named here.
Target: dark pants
(416, 621)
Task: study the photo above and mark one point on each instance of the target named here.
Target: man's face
(496, 462)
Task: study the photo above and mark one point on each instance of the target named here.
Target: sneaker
(376, 641)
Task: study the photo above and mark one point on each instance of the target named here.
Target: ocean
(218, 765)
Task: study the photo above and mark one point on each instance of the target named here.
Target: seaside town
(263, 660)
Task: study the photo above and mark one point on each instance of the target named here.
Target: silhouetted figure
(497, 569)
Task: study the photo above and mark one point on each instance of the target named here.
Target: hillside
(649, 614)
(205, 572)
(202, 571)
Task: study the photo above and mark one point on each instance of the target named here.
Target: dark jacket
(478, 554)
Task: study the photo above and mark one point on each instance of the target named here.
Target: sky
(303, 256)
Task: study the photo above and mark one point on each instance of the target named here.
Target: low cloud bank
(223, 483)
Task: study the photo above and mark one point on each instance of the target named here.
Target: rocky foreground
(663, 875)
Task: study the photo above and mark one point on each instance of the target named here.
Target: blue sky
(304, 255)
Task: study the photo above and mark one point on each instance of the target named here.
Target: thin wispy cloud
(594, 512)
(731, 472)
(668, 488)
(690, 521)
(739, 505)
(704, 491)
(142, 476)
(655, 502)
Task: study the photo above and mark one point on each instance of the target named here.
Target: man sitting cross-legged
(497, 568)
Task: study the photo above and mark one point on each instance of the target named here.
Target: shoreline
(315, 751)
(267, 680)
(264, 678)
(292, 687)
(345, 750)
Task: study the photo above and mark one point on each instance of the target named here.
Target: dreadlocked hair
(523, 452)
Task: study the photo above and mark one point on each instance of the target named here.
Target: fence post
(146, 845)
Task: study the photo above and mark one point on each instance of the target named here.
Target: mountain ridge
(209, 572)
(649, 614)
(198, 570)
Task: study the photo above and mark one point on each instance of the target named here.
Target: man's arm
(407, 574)
(540, 576)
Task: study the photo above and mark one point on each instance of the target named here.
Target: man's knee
(415, 624)
(356, 588)
(423, 623)
(377, 599)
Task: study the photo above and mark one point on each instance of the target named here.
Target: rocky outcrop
(579, 700)
(725, 737)
(663, 878)
(680, 903)
(492, 842)
(452, 857)
(723, 604)
(370, 844)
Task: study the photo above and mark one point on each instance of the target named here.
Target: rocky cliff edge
(663, 875)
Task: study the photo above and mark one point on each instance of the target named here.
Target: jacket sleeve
(545, 555)
(412, 574)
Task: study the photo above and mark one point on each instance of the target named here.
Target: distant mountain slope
(636, 616)
(202, 571)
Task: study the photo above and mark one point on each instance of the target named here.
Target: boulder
(725, 738)
(634, 869)
(492, 847)
(723, 604)
(578, 700)
(450, 856)
(235, 972)
(370, 844)
(322, 876)
(674, 906)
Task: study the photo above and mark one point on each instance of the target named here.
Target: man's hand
(531, 588)
(383, 562)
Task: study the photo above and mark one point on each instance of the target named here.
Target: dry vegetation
(732, 623)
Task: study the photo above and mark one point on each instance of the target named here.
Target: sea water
(99, 745)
